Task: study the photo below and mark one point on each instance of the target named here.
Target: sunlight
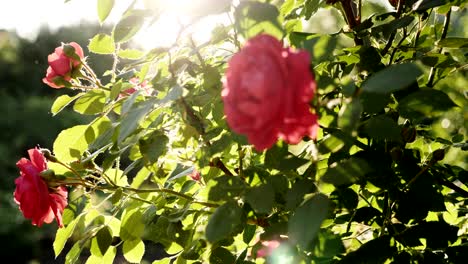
(177, 14)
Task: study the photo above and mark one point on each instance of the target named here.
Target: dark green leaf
(383, 127)
(346, 172)
(350, 115)
(345, 197)
(261, 198)
(223, 222)
(422, 5)
(153, 146)
(374, 251)
(101, 242)
(425, 103)
(373, 103)
(226, 187)
(393, 78)
(221, 255)
(454, 43)
(296, 194)
(249, 232)
(305, 223)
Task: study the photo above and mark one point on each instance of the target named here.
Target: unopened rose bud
(47, 175)
(408, 134)
(48, 155)
(438, 155)
(195, 175)
(396, 153)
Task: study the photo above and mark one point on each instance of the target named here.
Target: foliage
(379, 184)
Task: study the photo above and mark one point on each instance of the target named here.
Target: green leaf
(133, 250)
(425, 103)
(128, 27)
(62, 101)
(373, 103)
(104, 7)
(63, 234)
(305, 223)
(422, 5)
(101, 242)
(261, 198)
(296, 194)
(350, 115)
(253, 18)
(179, 172)
(74, 253)
(153, 146)
(107, 258)
(330, 143)
(132, 119)
(382, 127)
(102, 44)
(131, 54)
(226, 187)
(346, 172)
(249, 232)
(310, 8)
(393, 78)
(71, 143)
(454, 43)
(91, 103)
(132, 226)
(223, 222)
(375, 251)
(221, 255)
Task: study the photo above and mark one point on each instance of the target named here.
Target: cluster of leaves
(375, 186)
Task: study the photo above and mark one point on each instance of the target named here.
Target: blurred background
(31, 30)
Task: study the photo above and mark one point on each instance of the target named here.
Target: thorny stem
(216, 162)
(430, 80)
(116, 61)
(392, 36)
(162, 190)
(399, 43)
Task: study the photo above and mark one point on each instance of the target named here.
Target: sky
(27, 16)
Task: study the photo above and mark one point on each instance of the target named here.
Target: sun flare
(175, 16)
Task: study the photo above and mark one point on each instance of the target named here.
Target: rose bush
(267, 91)
(62, 65)
(38, 201)
(367, 189)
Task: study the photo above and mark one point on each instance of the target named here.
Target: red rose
(36, 200)
(60, 65)
(267, 90)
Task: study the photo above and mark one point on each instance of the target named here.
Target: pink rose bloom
(137, 86)
(267, 248)
(195, 175)
(267, 90)
(36, 200)
(61, 66)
